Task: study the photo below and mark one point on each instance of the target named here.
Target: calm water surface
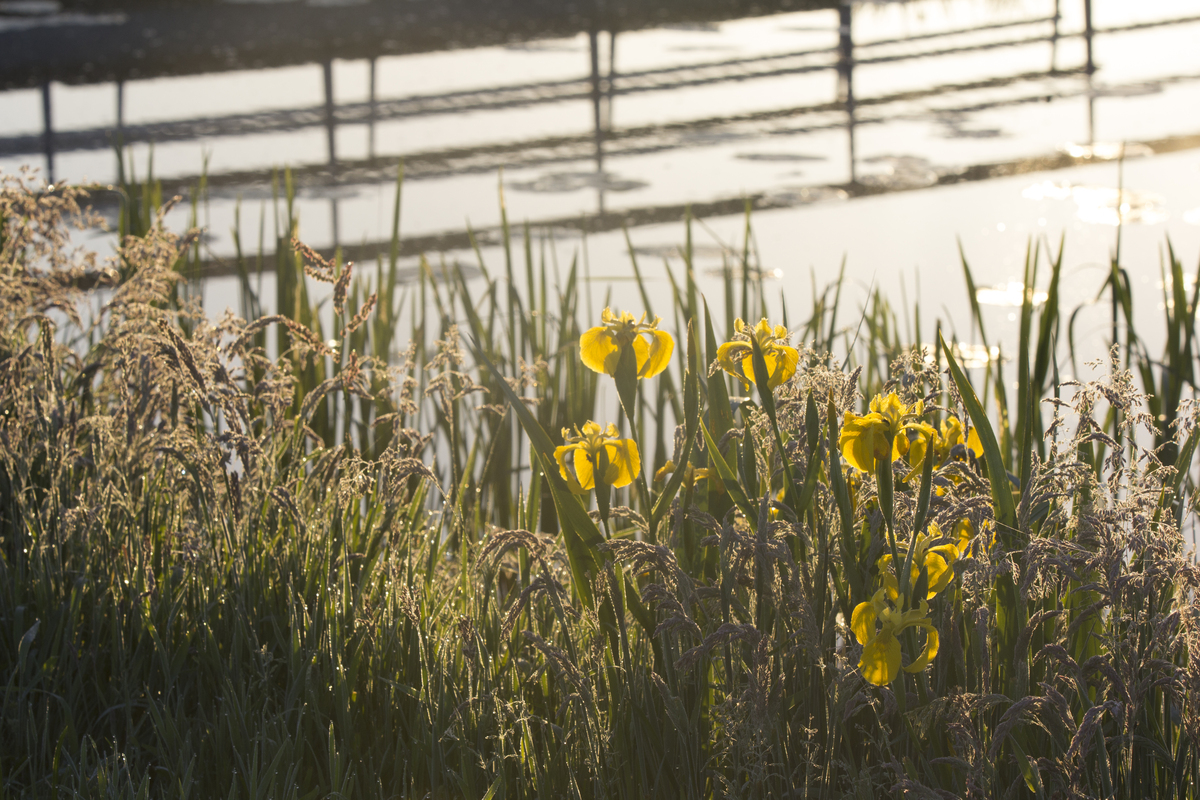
(977, 120)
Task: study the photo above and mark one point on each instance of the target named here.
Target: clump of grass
(348, 565)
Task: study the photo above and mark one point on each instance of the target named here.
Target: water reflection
(787, 147)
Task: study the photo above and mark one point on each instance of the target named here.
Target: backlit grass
(263, 556)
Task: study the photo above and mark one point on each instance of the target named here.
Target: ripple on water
(1103, 205)
(804, 195)
(561, 182)
(900, 172)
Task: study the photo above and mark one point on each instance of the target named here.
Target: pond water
(882, 133)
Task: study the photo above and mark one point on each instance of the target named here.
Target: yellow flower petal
(938, 570)
(641, 352)
(864, 440)
(931, 649)
(599, 351)
(783, 364)
(862, 622)
(659, 356)
(624, 462)
(600, 348)
(964, 531)
(973, 443)
(560, 455)
(880, 662)
(583, 469)
(737, 357)
(730, 357)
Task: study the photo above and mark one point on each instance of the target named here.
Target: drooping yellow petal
(973, 443)
(880, 662)
(624, 462)
(917, 450)
(599, 351)
(924, 434)
(730, 357)
(938, 570)
(931, 649)
(782, 365)
(659, 355)
(964, 531)
(641, 352)
(862, 622)
(747, 366)
(560, 455)
(583, 469)
(864, 440)
(951, 432)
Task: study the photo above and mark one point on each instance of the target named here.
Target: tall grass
(343, 561)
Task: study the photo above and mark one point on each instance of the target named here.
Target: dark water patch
(157, 38)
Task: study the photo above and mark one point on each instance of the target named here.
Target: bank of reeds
(260, 556)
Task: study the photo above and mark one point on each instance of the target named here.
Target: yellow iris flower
(876, 625)
(944, 442)
(881, 433)
(624, 461)
(601, 347)
(964, 538)
(937, 562)
(737, 357)
(691, 475)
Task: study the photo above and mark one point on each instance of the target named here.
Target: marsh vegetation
(316, 553)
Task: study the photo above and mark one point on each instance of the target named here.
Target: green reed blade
(727, 475)
(580, 533)
(691, 418)
(997, 476)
